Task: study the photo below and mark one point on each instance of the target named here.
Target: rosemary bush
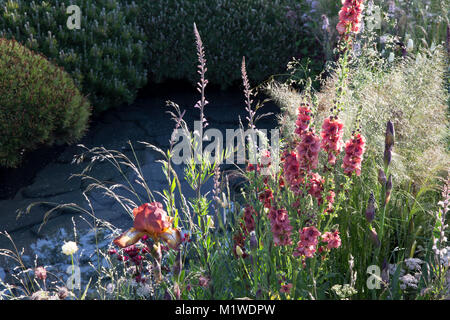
(268, 33)
(105, 57)
(39, 103)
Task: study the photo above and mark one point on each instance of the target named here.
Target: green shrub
(268, 33)
(39, 103)
(105, 57)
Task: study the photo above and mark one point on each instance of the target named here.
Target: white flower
(69, 248)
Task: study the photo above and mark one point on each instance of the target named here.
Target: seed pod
(370, 211)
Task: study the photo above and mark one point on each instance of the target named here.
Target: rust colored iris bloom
(150, 219)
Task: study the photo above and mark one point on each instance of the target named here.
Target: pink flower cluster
(330, 198)
(281, 228)
(249, 214)
(266, 197)
(315, 186)
(332, 239)
(303, 119)
(350, 16)
(292, 171)
(332, 133)
(306, 247)
(354, 150)
(308, 150)
(309, 239)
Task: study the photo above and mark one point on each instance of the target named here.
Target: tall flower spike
(201, 85)
(303, 119)
(308, 151)
(332, 133)
(354, 150)
(350, 16)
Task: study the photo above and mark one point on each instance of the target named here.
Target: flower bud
(176, 291)
(390, 135)
(239, 251)
(253, 241)
(387, 157)
(370, 211)
(388, 189)
(382, 177)
(374, 238)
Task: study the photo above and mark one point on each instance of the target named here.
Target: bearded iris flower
(151, 220)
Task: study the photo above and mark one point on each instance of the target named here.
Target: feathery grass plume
(248, 96)
(288, 100)
(412, 95)
(203, 81)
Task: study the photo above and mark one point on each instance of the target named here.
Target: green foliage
(268, 33)
(39, 103)
(105, 57)
(423, 22)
